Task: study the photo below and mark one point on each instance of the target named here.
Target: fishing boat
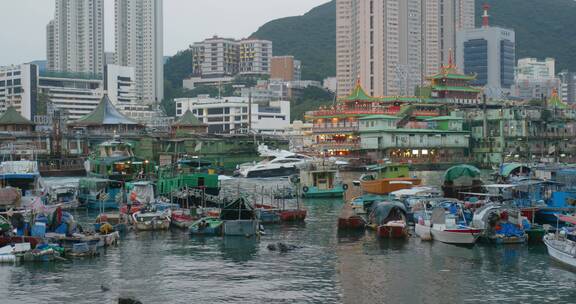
(115, 160)
(349, 219)
(151, 220)
(99, 193)
(388, 218)
(239, 218)
(320, 179)
(65, 195)
(562, 244)
(20, 184)
(461, 178)
(183, 218)
(501, 224)
(207, 226)
(354, 215)
(117, 221)
(448, 227)
(268, 214)
(388, 178)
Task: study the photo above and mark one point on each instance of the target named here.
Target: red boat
(393, 230)
(288, 215)
(389, 219)
(295, 215)
(7, 240)
(348, 219)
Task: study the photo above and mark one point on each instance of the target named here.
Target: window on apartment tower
(371, 22)
(371, 7)
(371, 52)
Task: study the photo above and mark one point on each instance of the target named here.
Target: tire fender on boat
(305, 189)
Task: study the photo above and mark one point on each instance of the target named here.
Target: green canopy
(456, 172)
(507, 169)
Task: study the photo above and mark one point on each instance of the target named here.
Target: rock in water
(271, 247)
(128, 301)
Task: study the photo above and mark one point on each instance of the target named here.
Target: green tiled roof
(358, 94)
(452, 76)
(12, 117)
(188, 120)
(406, 130)
(441, 118)
(104, 114)
(458, 89)
(381, 116)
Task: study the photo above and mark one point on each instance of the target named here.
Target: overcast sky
(23, 23)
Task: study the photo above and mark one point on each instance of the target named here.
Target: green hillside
(544, 28)
(311, 38)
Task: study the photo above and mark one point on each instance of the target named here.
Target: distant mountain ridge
(543, 29)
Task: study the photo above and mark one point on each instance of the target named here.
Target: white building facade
(140, 44)
(536, 79)
(75, 38)
(236, 114)
(18, 88)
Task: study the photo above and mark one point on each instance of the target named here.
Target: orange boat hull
(387, 185)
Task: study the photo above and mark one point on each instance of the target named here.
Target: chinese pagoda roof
(188, 120)
(359, 94)
(442, 75)
(457, 89)
(380, 116)
(12, 117)
(556, 102)
(104, 114)
(442, 118)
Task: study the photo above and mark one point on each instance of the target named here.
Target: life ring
(345, 187)
(305, 189)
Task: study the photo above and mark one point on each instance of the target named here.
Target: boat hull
(424, 232)
(456, 236)
(314, 192)
(387, 185)
(392, 231)
(276, 172)
(297, 215)
(153, 225)
(562, 251)
(351, 223)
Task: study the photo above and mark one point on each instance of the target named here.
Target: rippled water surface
(172, 267)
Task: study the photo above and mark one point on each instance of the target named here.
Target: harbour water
(172, 267)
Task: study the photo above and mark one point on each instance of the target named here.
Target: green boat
(115, 160)
(320, 180)
(207, 226)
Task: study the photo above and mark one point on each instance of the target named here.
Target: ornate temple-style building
(400, 128)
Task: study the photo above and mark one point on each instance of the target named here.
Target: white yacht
(280, 166)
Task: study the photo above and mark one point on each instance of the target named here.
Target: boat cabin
(321, 179)
(391, 170)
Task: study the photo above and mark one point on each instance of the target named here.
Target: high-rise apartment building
(19, 89)
(75, 38)
(391, 45)
(216, 57)
(219, 57)
(139, 44)
(255, 57)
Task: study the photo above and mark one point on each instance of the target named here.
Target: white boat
(65, 195)
(150, 221)
(277, 167)
(24, 176)
(500, 224)
(446, 229)
(562, 244)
